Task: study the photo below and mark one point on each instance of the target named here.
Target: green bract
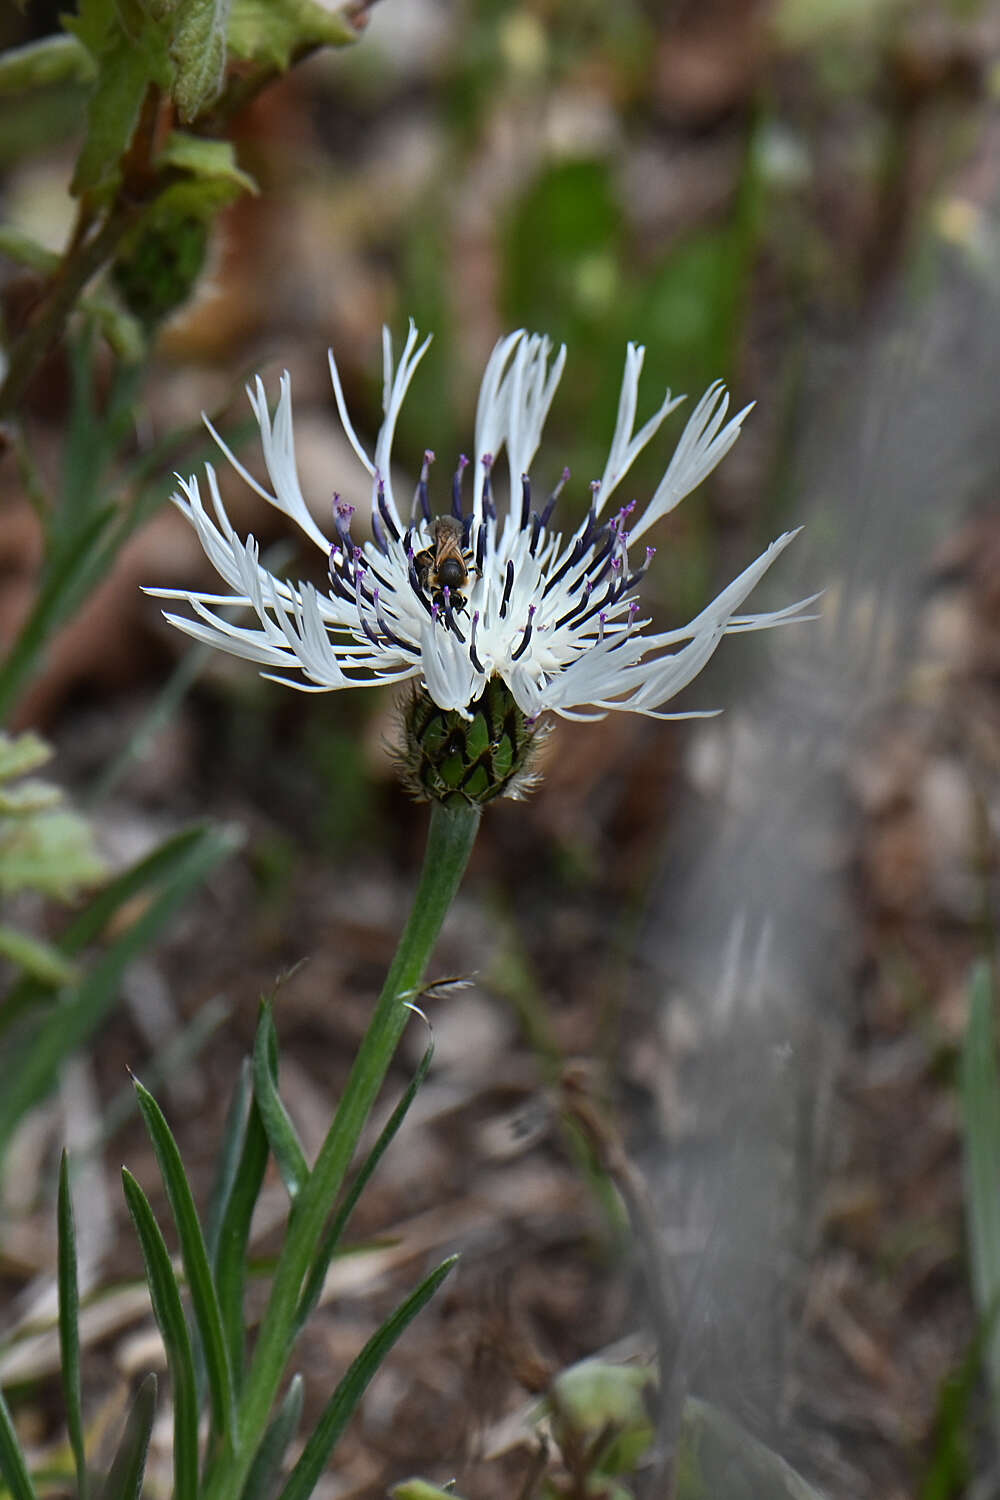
(446, 757)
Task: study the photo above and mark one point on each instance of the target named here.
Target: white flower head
(556, 616)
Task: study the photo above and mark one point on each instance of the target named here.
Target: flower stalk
(450, 839)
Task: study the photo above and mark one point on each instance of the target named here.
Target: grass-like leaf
(166, 1300)
(124, 1481)
(335, 1230)
(980, 1098)
(340, 1408)
(270, 1455)
(13, 1466)
(174, 871)
(281, 1133)
(58, 595)
(204, 1301)
(69, 1327)
(233, 1236)
(228, 1160)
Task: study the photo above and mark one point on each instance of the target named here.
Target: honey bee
(445, 565)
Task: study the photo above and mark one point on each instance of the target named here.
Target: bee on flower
(496, 615)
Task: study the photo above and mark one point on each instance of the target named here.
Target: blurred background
(756, 932)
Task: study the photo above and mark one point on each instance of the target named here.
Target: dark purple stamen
(480, 548)
(415, 586)
(489, 509)
(473, 654)
(449, 614)
(421, 496)
(525, 502)
(384, 626)
(378, 532)
(527, 635)
(508, 584)
(385, 513)
(536, 531)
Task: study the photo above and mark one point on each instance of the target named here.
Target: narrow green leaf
(124, 1481)
(333, 1234)
(69, 1025)
(166, 1299)
(12, 1462)
(228, 1161)
(980, 1100)
(281, 1133)
(234, 1234)
(208, 1316)
(69, 1326)
(270, 1455)
(340, 1408)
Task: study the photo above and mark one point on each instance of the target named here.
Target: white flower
(557, 617)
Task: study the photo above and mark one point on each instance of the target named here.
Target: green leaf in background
(213, 161)
(13, 1466)
(273, 31)
(281, 1133)
(129, 58)
(42, 847)
(195, 1257)
(166, 1300)
(340, 1408)
(124, 1481)
(54, 59)
(596, 1398)
(20, 247)
(40, 961)
(980, 1102)
(19, 756)
(52, 852)
(169, 875)
(69, 1327)
(198, 52)
(421, 1489)
(271, 1453)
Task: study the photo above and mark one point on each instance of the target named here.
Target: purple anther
(428, 457)
(525, 501)
(378, 532)
(487, 461)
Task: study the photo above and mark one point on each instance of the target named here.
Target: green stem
(449, 843)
